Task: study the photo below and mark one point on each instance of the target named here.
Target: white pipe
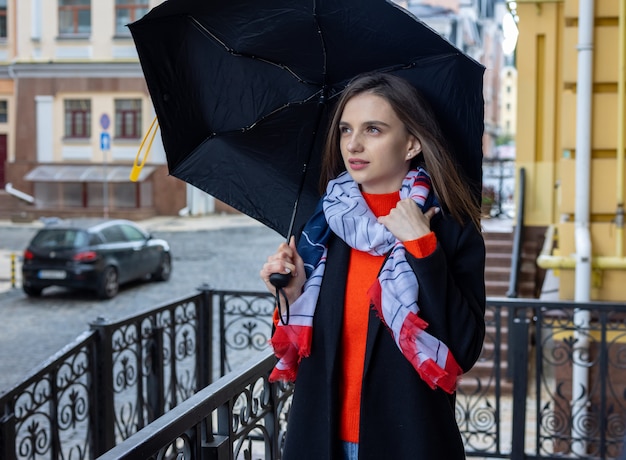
(16, 193)
(584, 85)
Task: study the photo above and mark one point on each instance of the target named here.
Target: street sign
(105, 141)
(105, 122)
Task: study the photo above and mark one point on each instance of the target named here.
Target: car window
(114, 234)
(132, 234)
(94, 239)
(60, 238)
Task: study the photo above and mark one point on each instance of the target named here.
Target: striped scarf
(343, 211)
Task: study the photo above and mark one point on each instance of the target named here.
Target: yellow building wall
(537, 138)
(546, 135)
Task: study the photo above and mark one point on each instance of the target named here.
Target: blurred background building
(74, 107)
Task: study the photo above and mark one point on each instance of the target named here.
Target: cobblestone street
(225, 253)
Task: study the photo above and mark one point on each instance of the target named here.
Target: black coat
(401, 417)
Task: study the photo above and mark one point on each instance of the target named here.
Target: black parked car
(93, 255)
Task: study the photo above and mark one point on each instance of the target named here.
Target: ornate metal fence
(565, 395)
(118, 377)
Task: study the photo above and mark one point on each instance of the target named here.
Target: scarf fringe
(290, 343)
(283, 375)
(416, 350)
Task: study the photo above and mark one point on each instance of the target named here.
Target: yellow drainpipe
(547, 260)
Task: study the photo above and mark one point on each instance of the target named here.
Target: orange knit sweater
(362, 272)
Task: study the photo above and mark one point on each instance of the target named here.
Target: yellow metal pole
(12, 270)
(621, 92)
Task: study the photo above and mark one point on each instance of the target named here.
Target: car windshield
(60, 238)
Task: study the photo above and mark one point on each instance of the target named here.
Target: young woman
(386, 296)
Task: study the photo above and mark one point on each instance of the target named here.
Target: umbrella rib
(232, 51)
(323, 46)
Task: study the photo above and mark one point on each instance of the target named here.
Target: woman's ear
(415, 147)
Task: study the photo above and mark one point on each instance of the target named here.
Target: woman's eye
(344, 129)
(373, 129)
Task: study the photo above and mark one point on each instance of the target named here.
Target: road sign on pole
(105, 121)
(105, 146)
(105, 141)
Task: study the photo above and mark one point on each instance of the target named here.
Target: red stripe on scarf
(413, 325)
(291, 343)
(429, 371)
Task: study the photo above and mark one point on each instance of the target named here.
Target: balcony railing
(136, 388)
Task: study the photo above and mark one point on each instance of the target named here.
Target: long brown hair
(420, 121)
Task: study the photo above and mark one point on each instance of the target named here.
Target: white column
(44, 123)
(36, 20)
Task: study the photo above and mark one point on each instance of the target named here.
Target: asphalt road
(32, 330)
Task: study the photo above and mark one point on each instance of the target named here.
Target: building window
(4, 111)
(77, 118)
(128, 118)
(3, 19)
(74, 17)
(127, 11)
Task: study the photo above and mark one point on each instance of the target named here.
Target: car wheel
(32, 291)
(165, 269)
(109, 284)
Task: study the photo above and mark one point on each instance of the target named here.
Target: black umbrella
(242, 91)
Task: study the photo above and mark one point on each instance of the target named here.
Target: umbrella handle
(281, 280)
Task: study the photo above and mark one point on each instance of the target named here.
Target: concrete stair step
(499, 246)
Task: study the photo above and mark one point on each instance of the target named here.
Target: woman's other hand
(407, 222)
(285, 260)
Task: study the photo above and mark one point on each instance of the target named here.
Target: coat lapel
(374, 328)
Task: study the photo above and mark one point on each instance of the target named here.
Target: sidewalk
(497, 224)
(10, 258)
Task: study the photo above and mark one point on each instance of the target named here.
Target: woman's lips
(357, 165)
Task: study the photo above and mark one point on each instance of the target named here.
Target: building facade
(508, 102)
(77, 111)
(475, 27)
(570, 138)
(74, 106)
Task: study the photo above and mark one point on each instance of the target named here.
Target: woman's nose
(354, 143)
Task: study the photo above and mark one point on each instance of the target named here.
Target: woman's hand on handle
(285, 260)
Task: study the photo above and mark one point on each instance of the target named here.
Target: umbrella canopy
(243, 89)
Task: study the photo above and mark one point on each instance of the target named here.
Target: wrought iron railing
(155, 364)
(240, 416)
(120, 376)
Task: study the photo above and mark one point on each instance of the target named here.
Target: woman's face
(375, 145)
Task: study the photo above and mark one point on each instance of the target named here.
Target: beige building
(77, 111)
(508, 102)
(475, 27)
